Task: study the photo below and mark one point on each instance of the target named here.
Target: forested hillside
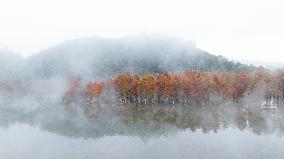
(103, 57)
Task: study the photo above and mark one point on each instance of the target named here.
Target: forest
(136, 70)
(192, 87)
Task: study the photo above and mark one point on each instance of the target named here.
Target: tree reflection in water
(147, 121)
(205, 118)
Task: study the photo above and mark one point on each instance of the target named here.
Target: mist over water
(35, 123)
(146, 133)
(184, 144)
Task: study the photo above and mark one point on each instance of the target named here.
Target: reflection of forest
(146, 121)
(208, 118)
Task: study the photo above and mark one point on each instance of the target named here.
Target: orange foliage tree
(190, 87)
(94, 89)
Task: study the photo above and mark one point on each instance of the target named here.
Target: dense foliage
(188, 88)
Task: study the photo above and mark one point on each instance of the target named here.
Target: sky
(239, 29)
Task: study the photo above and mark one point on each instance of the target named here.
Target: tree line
(192, 87)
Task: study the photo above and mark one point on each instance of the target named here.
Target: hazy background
(113, 36)
(250, 30)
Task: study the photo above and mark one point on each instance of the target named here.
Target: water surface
(164, 133)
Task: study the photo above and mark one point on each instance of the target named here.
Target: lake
(137, 133)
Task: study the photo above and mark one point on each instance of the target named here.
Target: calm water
(167, 133)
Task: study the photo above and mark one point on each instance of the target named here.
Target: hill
(104, 57)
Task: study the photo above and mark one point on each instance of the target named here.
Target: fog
(96, 56)
(42, 79)
(185, 144)
(35, 86)
(71, 136)
(44, 75)
(33, 113)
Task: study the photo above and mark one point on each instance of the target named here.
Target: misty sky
(240, 29)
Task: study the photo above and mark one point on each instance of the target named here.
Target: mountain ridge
(104, 57)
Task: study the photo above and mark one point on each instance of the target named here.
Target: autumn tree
(148, 88)
(122, 86)
(93, 90)
(73, 91)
